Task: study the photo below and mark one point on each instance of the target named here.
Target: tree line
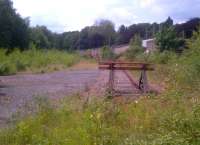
(16, 32)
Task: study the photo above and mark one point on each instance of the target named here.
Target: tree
(107, 53)
(169, 22)
(185, 30)
(96, 40)
(167, 40)
(107, 29)
(38, 37)
(70, 41)
(14, 30)
(83, 42)
(98, 35)
(122, 35)
(135, 47)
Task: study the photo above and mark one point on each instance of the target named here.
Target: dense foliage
(146, 30)
(171, 118)
(15, 32)
(107, 53)
(167, 39)
(135, 48)
(13, 29)
(35, 61)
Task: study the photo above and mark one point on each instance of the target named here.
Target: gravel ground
(20, 90)
(16, 90)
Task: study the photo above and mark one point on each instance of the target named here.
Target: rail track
(18, 90)
(121, 82)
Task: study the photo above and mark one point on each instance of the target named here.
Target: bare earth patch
(16, 90)
(84, 78)
(84, 64)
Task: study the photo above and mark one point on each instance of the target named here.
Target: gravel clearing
(17, 93)
(17, 90)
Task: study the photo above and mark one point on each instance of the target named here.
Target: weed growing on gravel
(107, 53)
(35, 61)
(151, 121)
(171, 118)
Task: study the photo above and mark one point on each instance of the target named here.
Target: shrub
(167, 40)
(158, 120)
(171, 118)
(135, 48)
(34, 60)
(186, 69)
(162, 58)
(107, 53)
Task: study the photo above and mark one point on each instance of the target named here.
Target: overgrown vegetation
(167, 40)
(107, 53)
(35, 61)
(135, 48)
(16, 31)
(171, 118)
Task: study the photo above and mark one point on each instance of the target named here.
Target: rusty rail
(126, 68)
(121, 62)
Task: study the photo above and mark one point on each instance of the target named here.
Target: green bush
(167, 40)
(151, 121)
(34, 60)
(181, 70)
(107, 53)
(135, 48)
(171, 118)
(161, 57)
(186, 69)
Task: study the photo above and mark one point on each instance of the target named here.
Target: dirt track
(18, 89)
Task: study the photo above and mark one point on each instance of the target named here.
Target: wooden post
(111, 79)
(143, 82)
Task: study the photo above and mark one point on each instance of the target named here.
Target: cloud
(146, 3)
(66, 15)
(72, 14)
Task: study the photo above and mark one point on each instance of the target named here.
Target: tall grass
(35, 61)
(159, 120)
(107, 53)
(171, 118)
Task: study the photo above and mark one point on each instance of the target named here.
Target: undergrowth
(35, 61)
(167, 119)
(171, 118)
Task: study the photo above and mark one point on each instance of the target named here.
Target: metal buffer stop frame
(125, 67)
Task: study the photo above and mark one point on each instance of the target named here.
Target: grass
(171, 118)
(151, 120)
(37, 61)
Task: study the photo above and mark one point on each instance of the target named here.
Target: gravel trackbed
(18, 89)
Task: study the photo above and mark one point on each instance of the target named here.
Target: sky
(71, 15)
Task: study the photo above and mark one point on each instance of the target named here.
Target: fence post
(143, 82)
(111, 79)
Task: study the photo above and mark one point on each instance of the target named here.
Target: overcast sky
(69, 15)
